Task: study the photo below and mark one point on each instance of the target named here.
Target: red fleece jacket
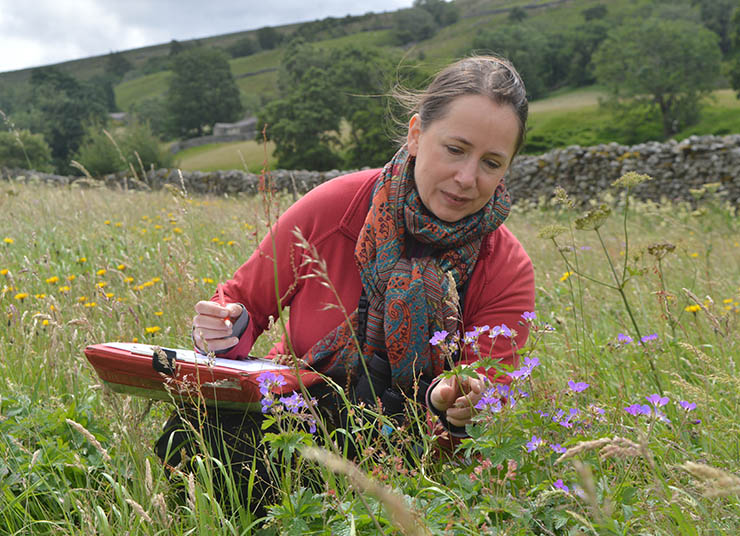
(330, 218)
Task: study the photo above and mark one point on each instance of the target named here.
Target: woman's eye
(454, 150)
(492, 164)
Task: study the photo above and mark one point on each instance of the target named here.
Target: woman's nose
(467, 173)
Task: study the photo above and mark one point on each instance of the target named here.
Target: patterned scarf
(404, 253)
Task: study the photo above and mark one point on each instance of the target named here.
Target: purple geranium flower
(577, 387)
(267, 380)
(657, 400)
(559, 485)
(687, 406)
(489, 401)
(531, 363)
(557, 447)
(648, 338)
(267, 404)
(534, 443)
(638, 409)
(438, 337)
(294, 402)
(529, 316)
(519, 374)
(500, 330)
(624, 339)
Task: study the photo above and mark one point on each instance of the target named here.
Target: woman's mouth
(455, 200)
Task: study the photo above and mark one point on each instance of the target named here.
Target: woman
(390, 240)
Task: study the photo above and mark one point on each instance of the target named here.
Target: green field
(84, 266)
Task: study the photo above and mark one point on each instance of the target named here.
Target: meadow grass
(226, 156)
(82, 266)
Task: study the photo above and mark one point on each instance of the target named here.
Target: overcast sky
(41, 32)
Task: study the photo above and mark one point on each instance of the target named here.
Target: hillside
(256, 73)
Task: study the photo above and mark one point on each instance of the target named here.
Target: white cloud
(40, 32)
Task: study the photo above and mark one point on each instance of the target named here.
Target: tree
(58, 107)
(21, 149)
(734, 64)
(594, 13)
(412, 25)
(246, 46)
(116, 65)
(717, 15)
(517, 14)
(268, 38)
(444, 13)
(523, 46)
(202, 91)
(671, 63)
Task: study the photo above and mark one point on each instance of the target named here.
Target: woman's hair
(488, 76)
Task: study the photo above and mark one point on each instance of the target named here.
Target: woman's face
(462, 156)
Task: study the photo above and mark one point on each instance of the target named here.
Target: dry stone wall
(677, 167)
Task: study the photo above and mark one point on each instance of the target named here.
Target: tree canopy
(672, 63)
(202, 91)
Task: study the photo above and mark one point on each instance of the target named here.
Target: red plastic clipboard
(130, 368)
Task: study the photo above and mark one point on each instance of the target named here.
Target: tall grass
(82, 266)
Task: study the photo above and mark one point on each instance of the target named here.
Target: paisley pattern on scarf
(404, 253)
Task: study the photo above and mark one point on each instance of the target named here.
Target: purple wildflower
(585, 248)
(624, 339)
(638, 409)
(577, 387)
(657, 400)
(559, 485)
(529, 316)
(534, 443)
(267, 380)
(500, 330)
(531, 363)
(438, 337)
(596, 409)
(687, 406)
(648, 338)
(489, 402)
(557, 447)
(293, 403)
(519, 374)
(267, 404)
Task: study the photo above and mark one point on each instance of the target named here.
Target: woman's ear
(412, 137)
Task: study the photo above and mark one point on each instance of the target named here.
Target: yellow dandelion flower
(102, 284)
(8, 240)
(166, 239)
(565, 276)
(91, 304)
(693, 255)
(156, 279)
(157, 227)
(153, 329)
(727, 300)
(143, 231)
(82, 299)
(119, 224)
(135, 339)
(52, 307)
(121, 267)
(138, 287)
(53, 279)
(177, 230)
(207, 280)
(109, 295)
(4, 271)
(692, 308)
(107, 222)
(128, 279)
(64, 289)
(102, 271)
(40, 296)
(230, 242)
(216, 240)
(82, 259)
(147, 284)
(21, 296)
(158, 313)
(71, 277)
(45, 322)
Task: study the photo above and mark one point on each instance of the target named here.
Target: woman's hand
(212, 325)
(456, 397)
